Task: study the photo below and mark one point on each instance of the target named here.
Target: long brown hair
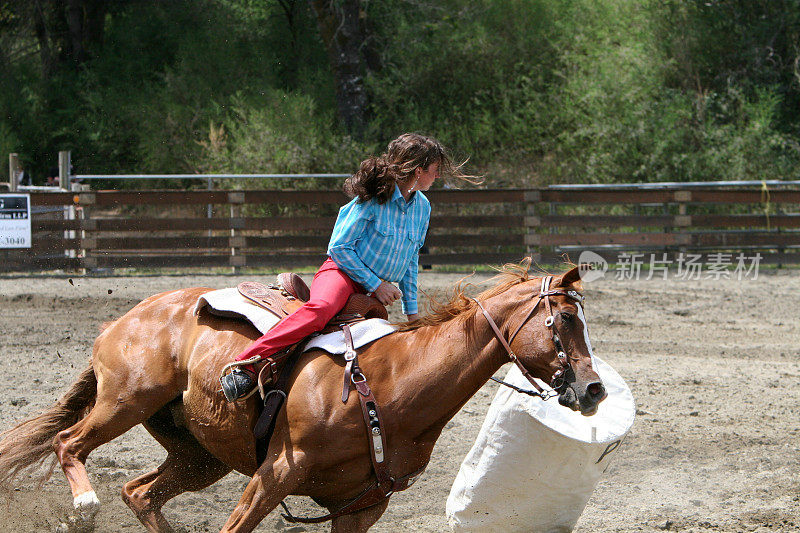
(377, 176)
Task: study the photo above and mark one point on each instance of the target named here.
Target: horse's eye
(567, 317)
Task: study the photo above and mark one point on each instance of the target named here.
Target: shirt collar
(398, 197)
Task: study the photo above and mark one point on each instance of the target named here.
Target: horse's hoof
(87, 505)
(86, 508)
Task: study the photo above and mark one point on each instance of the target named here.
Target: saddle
(290, 292)
(282, 298)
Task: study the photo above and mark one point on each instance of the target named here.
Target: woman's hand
(386, 293)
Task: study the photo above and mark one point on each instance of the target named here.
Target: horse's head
(548, 339)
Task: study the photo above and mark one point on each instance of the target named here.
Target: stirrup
(235, 364)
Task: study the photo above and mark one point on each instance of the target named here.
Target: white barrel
(535, 463)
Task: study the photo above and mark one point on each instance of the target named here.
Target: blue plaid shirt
(373, 242)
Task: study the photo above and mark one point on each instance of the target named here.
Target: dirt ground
(714, 367)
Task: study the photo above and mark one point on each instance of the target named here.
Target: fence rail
(280, 228)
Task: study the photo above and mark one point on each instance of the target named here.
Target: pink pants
(329, 293)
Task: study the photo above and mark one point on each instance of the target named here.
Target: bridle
(562, 376)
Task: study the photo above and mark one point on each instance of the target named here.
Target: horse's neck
(453, 362)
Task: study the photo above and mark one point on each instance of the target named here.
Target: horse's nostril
(596, 390)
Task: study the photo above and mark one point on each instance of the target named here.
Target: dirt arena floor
(714, 367)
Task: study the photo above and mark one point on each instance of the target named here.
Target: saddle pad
(363, 333)
(229, 303)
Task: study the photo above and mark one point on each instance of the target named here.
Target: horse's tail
(28, 444)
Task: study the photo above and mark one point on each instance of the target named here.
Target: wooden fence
(277, 229)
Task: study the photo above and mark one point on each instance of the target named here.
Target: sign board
(15, 221)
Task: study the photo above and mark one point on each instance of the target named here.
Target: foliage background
(533, 91)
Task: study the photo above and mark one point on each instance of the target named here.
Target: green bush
(278, 133)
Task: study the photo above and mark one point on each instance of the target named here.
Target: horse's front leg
(272, 482)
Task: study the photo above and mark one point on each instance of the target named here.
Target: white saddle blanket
(229, 303)
(363, 333)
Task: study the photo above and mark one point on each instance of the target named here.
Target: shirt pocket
(384, 239)
(416, 236)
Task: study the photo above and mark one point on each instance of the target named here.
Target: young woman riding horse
(375, 241)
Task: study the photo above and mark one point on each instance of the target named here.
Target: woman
(375, 241)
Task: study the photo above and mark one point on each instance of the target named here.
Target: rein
(559, 377)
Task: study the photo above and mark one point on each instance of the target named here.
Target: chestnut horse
(159, 365)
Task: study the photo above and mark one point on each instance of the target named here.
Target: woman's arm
(349, 229)
(408, 286)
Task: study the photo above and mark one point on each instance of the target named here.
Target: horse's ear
(571, 277)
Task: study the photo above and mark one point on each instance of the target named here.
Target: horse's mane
(463, 306)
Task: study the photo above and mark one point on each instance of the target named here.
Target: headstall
(559, 381)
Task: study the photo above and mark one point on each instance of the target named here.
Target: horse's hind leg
(188, 467)
(360, 521)
(180, 472)
(111, 416)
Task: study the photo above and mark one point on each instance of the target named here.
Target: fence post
(64, 162)
(682, 220)
(82, 211)
(13, 168)
(210, 207)
(532, 224)
(236, 199)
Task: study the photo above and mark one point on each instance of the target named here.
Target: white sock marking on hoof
(87, 505)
